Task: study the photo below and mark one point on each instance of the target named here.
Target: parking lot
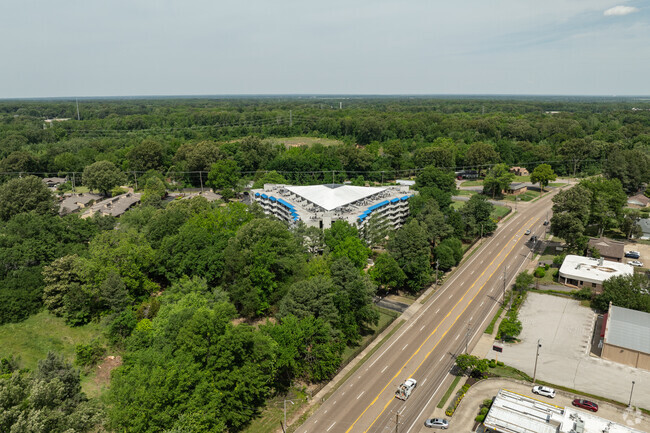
(564, 329)
(641, 248)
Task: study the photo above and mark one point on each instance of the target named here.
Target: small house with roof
(578, 271)
(626, 337)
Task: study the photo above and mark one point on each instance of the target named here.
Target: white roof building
(587, 271)
(320, 205)
(516, 413)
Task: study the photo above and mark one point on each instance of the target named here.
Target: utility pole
(340, 105)
(481, 234)
(437, 263)
(201, 178)
(539, 344)
(467, 338)
(504, 285)
(73, 181)
(285, 412)
(135, 176)
(397, 422)
(290, 118)
(382, 177)
(631, 391)
(78, 117)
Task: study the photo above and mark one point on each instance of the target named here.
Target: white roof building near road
(320, 205)
(517, 413)
(578, 270)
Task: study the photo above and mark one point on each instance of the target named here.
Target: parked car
(633, 255)
(437, 423)
(585, 404)
(635, 263)
(544, 390)
(527, 232)
(546, 222)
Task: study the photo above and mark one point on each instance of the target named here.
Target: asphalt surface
(425, 347)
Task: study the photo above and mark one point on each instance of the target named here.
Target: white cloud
(620, 10)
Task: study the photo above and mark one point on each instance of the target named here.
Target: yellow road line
(436, 329)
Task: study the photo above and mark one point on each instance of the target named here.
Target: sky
(85, 48)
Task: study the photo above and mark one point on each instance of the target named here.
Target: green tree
(387, 273)
(509, 328)
(313, 297)
(477, 216)
(524, 281)
(154, 192)
(575, 150)
(102, 176)
(224, 176)
(571, 212)
(410, 249)
(470, 365)
(480, 154)
(269, 177)
(342, 239)
(542, 174)
(147, 155)
(498, 179)
(629, 223)
(262, 260)
(629, 291)
(24, 195)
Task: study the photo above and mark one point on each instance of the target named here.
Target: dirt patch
(103, 376)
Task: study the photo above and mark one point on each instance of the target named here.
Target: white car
(437, 423)
(635, 263)
(544, 390)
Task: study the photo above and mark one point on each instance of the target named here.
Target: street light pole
(467, 338)
(437, 263)
(504, 285)
(631, 391)
(539, 344)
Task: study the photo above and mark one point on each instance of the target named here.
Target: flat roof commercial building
(626, 338)
(516, 413)
(321, 205)
(581, 271)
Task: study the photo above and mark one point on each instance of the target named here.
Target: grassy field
(465, 192)
(384, 320)
(472, 183)
(526, 196)
(40, 333)
(500, 211)
(305, 141)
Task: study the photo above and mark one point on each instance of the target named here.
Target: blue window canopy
(395, 200)
(265, 196)
(406, 197)
(273, 198)
(257, 194)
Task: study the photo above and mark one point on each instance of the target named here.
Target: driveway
(565, 329)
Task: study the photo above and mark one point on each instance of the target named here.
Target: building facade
(578, 271)
(626, 337)
(321, 205)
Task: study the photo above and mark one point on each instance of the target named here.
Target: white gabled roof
(330, 197)
(593, 270)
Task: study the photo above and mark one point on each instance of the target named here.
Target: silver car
(635, 263)
(437, 423)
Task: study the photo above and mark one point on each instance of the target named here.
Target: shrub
(493, 363)
(479, 418)
(539, 273)
(547, 267)
(500, 364)
(121, 327)
(118, 191)
(88, 355)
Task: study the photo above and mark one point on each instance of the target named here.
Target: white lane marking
(472, 273)
(384, 369)
(331, 426)
(441, 358)
(325, 412)
(437, 311)
(470, 319)
(425, 379)
(334, 402)
(422, 327)
(360, 395)
(404, 347)
(457, 337)
(451, 295)
(482, 304)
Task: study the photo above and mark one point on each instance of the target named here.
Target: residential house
(638, 201)
(519, 171)
(609, 249)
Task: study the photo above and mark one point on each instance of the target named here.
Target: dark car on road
(585, 404)
(633, 255)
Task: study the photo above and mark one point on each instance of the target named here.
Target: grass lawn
(557, 184)
(472, 183)
(522, 179)
(457, 204)
(526, 196)
(271, 417)
(500, 211)
(40, 333)
(464, 192)
(384, 319)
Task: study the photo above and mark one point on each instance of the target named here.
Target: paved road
(425, 347)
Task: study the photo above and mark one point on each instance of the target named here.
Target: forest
(215, 307)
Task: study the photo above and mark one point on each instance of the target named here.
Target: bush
(500, 364)
(121, 327)
(118, 191)
(88, 355)
(539, 273)
(493, 363)
(479, 418)
(547, 267)
(584, 293)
